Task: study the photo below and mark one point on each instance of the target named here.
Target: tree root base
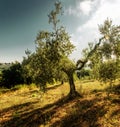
(73, 95)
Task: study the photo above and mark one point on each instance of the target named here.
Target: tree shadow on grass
(14, 112)
(19, 106)
(116, 112)
(32, 117)
(115, 89)
(83, 114)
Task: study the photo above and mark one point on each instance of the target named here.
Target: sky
(21, 20)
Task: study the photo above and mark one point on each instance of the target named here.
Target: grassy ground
(28, 107)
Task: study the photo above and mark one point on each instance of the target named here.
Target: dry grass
(28, 107)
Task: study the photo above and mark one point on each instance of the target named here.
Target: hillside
(28, 107)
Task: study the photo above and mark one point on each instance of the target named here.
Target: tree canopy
(105, 63)
(51, 48)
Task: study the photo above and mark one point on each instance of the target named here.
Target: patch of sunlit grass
(88, 86)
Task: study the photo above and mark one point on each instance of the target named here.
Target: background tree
(27, 73)
(108, 71)
(107, 57)
(83, 73)
(94, 60)
(12, 76)
(110, 49)
(111, 45)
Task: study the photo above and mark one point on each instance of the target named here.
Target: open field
(28, 107)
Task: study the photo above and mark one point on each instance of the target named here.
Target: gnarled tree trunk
(72, 92)
(71, 83)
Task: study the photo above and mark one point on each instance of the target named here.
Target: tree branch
(82, 63)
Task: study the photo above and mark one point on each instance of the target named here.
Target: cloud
(106, 10)
(88, 31)
(70, 11)
(84, 8)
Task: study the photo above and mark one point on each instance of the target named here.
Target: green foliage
(95, 63)
(111, 44)
(105, 62)
(66, 64)
(4, 66)
(83, 73)
(108, 71)
(12, 76)
(94, 60)
(51, 46)
(27, 70)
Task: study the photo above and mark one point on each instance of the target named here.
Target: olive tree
(52, 52)
(111, 45)
(108, 71)
(107, 57)
(51, 47)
